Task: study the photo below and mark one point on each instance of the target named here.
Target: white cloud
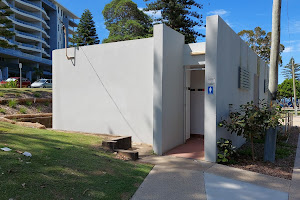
(288, 49)
(220, 12)
(152, 13)
(295, 26)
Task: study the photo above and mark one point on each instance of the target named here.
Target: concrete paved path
(220, 188)
(179, 178)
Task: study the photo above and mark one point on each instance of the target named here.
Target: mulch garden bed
(285, 157)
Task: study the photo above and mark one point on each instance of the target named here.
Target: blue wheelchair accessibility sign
(210, 90)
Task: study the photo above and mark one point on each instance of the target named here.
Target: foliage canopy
(287, 70)
(86, 32)
(6, 23)
(180, 15)
(260, 41)
(125, 21)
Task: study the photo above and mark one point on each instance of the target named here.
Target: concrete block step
(129, 154)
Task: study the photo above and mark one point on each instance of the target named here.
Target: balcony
(49, 3)
(32, 3)
(27, 34)
(33, 47)
(26, 23)
(20, 54)
(27, 12)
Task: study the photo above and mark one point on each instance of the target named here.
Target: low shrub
(226, 152)
(12, 103)
(1, 94)
(46, 103)
(37, 94)
(28, 103)
(2, 110)
(23, 110)
(39, 108)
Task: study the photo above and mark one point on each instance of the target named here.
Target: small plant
(9, 84)
(39, 108)
(283, 152)
(245, 152)
(28, 103)
(46, 103)
(252, 121)
(1, 94)
(18, 95)
(23, 110)
(12, 103)
(37, 94)
(3, 111)
(226, 151)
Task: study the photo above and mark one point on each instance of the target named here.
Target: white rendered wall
(168, 89)
(189, 60)
(81, 103)
(225, 53)
(197, 102)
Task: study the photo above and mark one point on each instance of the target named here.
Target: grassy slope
(63, 166)
(24, 90)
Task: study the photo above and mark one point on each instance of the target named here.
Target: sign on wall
(210, 90)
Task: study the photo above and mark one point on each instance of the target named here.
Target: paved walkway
(185, 179)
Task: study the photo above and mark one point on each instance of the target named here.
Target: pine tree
(287, 70)
(125, 21)
(6, 23)
(86, 32)
(180, 15)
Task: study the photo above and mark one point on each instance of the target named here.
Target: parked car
(25, 82)
(42, 83)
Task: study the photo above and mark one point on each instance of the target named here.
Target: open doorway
(194, 93)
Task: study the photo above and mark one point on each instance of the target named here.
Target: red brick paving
(193, 148)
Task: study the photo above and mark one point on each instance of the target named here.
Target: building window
(58, 45)
(58, 27)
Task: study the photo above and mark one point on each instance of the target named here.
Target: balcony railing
(28, 34)
(27, 23)
(32, 3)
(24, 11)
(27, 45)
(18, 53)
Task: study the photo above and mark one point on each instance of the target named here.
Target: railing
(32, 3)
(29, 13)
(28, 34)
(18, 53)
(27, 23)
(28, 45)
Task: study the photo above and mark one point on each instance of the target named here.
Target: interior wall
(197, 102)
(107, 88)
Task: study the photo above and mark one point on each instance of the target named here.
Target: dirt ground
(285, 157)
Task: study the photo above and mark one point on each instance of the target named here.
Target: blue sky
(238, 14)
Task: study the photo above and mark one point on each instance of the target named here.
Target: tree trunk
(275, 46)
(252, 146)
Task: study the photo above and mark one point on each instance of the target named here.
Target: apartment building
(38, 31)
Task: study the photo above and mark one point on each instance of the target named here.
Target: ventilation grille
(244, 78)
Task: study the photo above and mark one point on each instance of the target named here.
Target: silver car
(42, 83)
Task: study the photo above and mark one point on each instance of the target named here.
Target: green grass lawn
(24, 90)
(63, 166)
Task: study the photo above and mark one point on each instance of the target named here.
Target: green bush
(283, 152)
(12, 103)
(28, 103)
(37, 94)
(245, 152)
(23, 110)
(39, 108)
(226, 151)
(1, 94)
(2, 110)
(10, 84)
(46, 103)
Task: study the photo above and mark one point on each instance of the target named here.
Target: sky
(239, 14)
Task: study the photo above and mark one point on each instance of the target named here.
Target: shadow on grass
(63, 166)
